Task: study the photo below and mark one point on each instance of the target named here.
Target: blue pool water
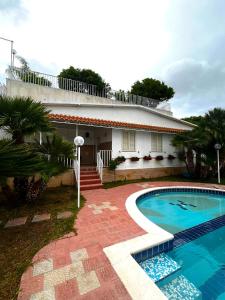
(202, 267)
(176, 211)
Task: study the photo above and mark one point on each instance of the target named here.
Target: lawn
(19, 244)
(112, 184)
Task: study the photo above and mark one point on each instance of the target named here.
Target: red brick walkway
(75, 267)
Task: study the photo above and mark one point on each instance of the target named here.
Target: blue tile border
(149, 253)
(181, 238)
(197, 231)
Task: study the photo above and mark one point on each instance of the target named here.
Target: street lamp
(218, 147)
(12, 51)
(78, 141)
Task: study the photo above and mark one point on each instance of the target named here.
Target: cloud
(199, 85)
(12, 10)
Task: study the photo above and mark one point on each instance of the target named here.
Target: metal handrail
(78, 87)
(99, 167)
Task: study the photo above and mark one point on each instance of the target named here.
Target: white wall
(143, 147)
(77, 104)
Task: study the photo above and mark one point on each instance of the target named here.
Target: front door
(87, 155)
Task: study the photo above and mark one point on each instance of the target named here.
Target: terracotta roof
(108, 123)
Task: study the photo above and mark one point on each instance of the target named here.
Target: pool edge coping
(120, 254)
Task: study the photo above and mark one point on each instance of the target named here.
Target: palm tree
(17, 161)
(23, 117)
(201, 141)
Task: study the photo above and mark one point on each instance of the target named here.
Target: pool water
(175, 211)
(202, 263)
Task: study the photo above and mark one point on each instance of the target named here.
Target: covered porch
(97, 141)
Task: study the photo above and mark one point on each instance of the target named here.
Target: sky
(181, 42)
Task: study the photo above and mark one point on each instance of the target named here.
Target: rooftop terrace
(70, 85)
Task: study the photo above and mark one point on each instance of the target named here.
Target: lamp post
(78, 141)
(218, 147)
(12, 51)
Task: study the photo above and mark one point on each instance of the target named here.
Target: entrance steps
(89, 179)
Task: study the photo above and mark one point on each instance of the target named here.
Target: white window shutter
(154, 142)
(132, 141)
(125, 142)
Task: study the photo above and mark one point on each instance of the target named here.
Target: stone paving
(36, 218)
(75, 266)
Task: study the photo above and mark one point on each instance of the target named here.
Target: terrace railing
(78, 87)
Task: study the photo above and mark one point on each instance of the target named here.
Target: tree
(197, 120)
(29, 76)
(152, 88)
(22, 117)
(201, 140)
(84, 76)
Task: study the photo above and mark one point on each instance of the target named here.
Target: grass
(19, 244)
(112, 184)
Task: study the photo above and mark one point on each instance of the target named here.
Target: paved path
(75, 267)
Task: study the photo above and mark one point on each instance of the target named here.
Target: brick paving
(75, 266)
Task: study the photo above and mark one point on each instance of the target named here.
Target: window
(128, 143)
(156, 142)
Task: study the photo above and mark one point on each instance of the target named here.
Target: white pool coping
(134, 278)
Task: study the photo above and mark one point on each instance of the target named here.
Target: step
(181, 288)
(92, 176)
(90, 187)
(88, 168)
(90, 181)
(88, 172)
(159, 266)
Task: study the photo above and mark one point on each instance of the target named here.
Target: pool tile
(159, 267)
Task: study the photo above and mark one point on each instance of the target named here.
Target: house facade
(137, 129)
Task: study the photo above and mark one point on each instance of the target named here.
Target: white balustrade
(106, 156)
(99, 167)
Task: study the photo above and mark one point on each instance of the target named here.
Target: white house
(111, 124)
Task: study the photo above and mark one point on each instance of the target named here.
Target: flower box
(171, 157)
(159, 157)
(147, 157)
(134, 158)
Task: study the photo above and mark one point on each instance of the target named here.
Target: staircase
(89, 179)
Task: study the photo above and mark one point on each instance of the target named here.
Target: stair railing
(100, 165)
(106, 156)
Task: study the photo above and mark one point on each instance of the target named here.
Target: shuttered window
(156, 142)
(128, 142)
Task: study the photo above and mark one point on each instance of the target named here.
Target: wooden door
(87, 155)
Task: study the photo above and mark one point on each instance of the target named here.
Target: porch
(97, 148)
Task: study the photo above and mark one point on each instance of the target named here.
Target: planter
(120, 159)
(134, 158)
(171, 157)
(147, 157)
(159, 157)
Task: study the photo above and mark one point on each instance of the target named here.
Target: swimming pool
(177, 209)
(202, 263)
